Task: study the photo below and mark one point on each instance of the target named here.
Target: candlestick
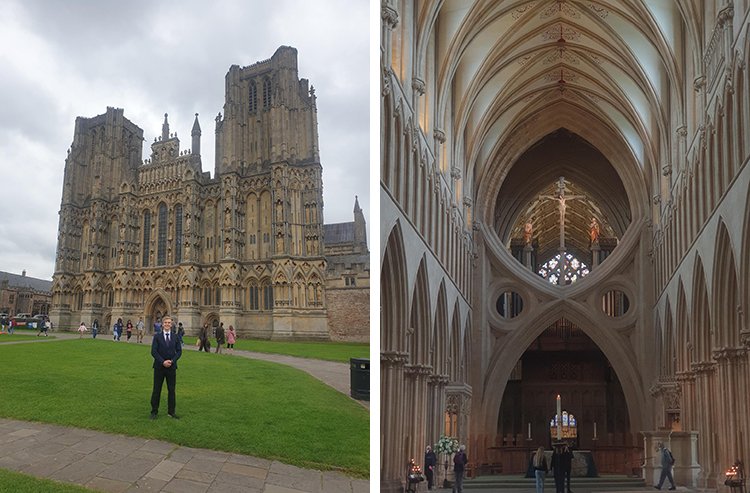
(594, 430)
(559, 418)
(529, 430)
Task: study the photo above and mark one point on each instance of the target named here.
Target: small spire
(165, 129)
(356, 205)
(196, 126)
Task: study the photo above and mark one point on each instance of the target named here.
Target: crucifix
(562, 199)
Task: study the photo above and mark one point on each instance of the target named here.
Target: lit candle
(529, 430)
(559, 418)
(594, 430)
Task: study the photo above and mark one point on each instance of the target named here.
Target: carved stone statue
(594, 231)
(528, 231)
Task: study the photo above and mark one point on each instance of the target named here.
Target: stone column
(392, 419)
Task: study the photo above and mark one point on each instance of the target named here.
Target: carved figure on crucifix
(562, 199)
(562, 206)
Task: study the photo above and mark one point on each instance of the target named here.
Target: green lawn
(21, 335)
(329, 351)
(232, 404)
(22, 483)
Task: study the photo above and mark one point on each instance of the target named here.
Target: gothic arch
(157, 304)
(393, 292)
(418, 340)
(438, 343)
(683, 333)
(725, 291)
(701, 315)
(614, 347)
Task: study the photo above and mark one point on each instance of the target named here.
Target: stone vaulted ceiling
(512, 73)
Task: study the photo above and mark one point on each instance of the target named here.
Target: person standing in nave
(540, 469)
(430, 462)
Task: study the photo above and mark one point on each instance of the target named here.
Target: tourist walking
(81, 329)
(181, 334)
(220, 337)
(459, 467)
(140, 329)
(540, 469)
(117, 330)
(203, 343)
(43, 328)
(129, 330)
(94, 328)
(231, 339)
(667, 461)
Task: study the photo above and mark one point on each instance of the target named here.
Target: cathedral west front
(145, 238)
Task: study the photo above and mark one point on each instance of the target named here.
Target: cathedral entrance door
(155, 310)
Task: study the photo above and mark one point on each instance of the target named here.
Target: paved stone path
(118, 463)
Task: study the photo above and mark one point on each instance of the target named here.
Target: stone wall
(349, 314)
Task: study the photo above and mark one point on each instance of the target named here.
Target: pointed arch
(701, 315)
(420, 318)
(725, 291)
(393, 292)
(684, 350)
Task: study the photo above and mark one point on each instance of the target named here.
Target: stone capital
(666, 170)
(439, 135)
(456, 173)
(393, 358)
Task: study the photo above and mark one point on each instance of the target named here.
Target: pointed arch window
(146, 236)
(253, 96)
(161, 256)
(267, 297)
(266, 93)
(178, 233)
(253, 298)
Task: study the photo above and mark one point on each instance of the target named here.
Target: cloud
(61, 60)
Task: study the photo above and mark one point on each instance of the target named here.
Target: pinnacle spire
(196, 126)
(165, 129)
(357, 208)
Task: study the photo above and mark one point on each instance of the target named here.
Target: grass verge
(23, 483)
(231, 404)
(328, 351)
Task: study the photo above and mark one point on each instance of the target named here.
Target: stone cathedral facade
(143, 238)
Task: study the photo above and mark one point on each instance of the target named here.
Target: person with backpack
(667, 461)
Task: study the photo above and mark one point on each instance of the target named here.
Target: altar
(582, 466)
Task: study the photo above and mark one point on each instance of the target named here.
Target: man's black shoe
(173, 416)
(673, 488)
(153, 416)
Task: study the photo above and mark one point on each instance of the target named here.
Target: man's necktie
(167, 337)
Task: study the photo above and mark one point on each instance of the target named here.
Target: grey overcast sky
(63, 59)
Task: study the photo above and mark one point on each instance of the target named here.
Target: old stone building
(348, 278)
(565, 211)
(24, 294)
(155, 236)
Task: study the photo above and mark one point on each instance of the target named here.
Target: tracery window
(161, 256)
(253, 97)
(267, 297)
(146, 236)
(574, 269)
(266, 93)
(178, 233)
(253, 298)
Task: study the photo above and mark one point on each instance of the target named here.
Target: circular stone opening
(509, 304)
(615, 303)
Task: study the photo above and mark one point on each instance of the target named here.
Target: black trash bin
(360, 378)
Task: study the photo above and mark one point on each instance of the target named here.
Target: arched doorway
(563, 360)
(157, 306)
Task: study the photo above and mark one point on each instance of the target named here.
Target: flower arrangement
(446, 445)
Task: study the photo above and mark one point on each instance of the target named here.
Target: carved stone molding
(389, 16)
(699, 83)
(666, 170)
(468, 202)
(745, 338)
(456, 173)
(386, 82)
(438, 379)
(729, 353)
(681, 131)
(418, 85)
(439, 135)
(418, 370)
(703, 367)
(393, 358)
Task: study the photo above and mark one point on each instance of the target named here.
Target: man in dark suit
(166, 350)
